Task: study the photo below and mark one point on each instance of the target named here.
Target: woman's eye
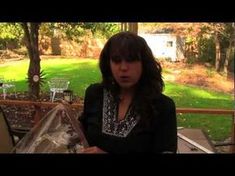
(130, 59)
(116, 59)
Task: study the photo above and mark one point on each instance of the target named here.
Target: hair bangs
(125, 50)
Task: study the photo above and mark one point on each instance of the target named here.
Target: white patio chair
(7, 84)
(57, 85)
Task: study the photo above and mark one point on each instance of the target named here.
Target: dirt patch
(199, 75)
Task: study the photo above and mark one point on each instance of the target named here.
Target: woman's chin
(126, 85)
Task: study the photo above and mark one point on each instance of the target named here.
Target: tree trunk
(31, 40)
(230, 52)
(229, 57)
(218, 53)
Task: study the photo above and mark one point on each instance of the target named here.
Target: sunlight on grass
(15, 70)
(185, 90)
(80, 72)
(192, 96)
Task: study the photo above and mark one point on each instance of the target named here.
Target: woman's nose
(123, 65)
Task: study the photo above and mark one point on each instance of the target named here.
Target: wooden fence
(79, 106)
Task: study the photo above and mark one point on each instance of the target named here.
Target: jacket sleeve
(93, 95)
(166, 129)
(83, 116)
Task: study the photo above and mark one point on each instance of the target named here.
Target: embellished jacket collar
(110, 123)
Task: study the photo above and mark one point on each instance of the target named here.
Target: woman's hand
(93, 149)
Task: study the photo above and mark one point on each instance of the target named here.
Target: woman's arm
(94, 150)
(86, 105)
(166, 129)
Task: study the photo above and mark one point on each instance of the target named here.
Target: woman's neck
(126, 94)
(125, 97)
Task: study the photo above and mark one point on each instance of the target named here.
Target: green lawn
(82, 72)
(217, 126)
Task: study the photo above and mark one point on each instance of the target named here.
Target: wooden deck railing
(79, 106)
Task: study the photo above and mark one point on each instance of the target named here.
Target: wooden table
(194, 141)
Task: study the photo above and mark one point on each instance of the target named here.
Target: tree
(70, 30)
(216, 29)
(73, 31)
(224, 41)
(198, 36)
(190, 32)
(231, 47)
(31, 31)
(10, 33)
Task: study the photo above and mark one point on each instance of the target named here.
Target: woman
(127, 112)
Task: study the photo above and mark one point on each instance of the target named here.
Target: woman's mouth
(124, 78)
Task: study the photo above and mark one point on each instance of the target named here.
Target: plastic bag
(57, 132)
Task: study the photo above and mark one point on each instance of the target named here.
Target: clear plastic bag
(58, 131)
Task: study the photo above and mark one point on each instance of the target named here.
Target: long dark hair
(133, 47)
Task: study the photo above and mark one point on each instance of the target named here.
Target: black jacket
(158, 137)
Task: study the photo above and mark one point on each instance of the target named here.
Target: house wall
(164, 45)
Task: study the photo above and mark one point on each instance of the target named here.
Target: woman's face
(126, 73)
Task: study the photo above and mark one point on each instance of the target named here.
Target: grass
(80, 73)
(83, 72)
(218, 127)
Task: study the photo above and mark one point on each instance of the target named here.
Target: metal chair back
(57, 85)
